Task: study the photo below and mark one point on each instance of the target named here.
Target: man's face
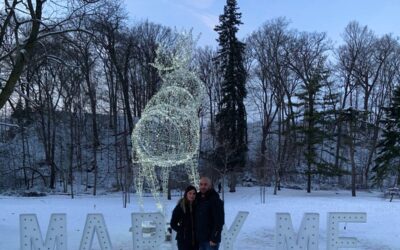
(204, 185)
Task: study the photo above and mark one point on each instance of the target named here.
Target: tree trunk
(310, 135)
(93, 106)
(353, 163)
(95, 142)
(232, 181)
(23, 54)
(309, 178)
(338, 146)
(374, 142)
(279, 162)
(26, 180)
(71, 154)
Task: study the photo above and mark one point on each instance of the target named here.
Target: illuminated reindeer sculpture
(168, 133)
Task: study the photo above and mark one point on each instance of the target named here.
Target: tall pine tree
(388, 159)
(231, 120)
(311, 126)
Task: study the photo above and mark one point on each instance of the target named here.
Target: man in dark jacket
(210, 216)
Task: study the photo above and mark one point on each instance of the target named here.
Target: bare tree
(25, 23)
(271, 87)
(367, 67)
(209, 75)
(46, 96)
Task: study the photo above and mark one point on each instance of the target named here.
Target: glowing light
(168, 133)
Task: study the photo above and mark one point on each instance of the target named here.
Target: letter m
(31, 236)
(307, 237)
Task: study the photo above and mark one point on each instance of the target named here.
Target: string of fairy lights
(168, 134)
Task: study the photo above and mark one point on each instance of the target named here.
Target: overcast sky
(331, 16)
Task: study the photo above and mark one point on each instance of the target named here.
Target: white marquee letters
(229, 236)
(148, 240)
(31, 236)
(307, 238)
(95, 224)
(335, 242)
(148, 232)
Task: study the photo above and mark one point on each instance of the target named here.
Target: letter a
(95, 224)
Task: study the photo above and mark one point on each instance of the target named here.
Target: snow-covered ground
(382, 230)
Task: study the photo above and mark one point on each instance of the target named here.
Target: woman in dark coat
(183, 220)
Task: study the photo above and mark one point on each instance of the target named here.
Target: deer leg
(151, 178)
(193, 174)
(139, 179)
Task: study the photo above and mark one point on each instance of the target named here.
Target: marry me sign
(307, 237)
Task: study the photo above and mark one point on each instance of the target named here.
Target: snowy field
(381, 232)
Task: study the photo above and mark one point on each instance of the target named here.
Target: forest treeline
(76, 76)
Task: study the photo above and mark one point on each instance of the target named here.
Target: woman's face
(191, 195)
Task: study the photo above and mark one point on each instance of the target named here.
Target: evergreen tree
(310, 128)
(307, 58)
(388, 158)
(231, 120)
(315, 128)
(330, 116)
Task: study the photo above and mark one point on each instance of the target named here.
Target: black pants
(183, 245)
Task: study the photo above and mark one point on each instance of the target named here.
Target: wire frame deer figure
(168, 134)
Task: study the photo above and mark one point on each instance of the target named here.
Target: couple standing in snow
(198, 218)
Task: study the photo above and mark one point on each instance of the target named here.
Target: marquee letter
(307, 238)
(229, 236)
(95, 224)
(146, 239)
(31, 236)
(333, 240)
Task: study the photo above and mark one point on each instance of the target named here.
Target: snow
(380, 232)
